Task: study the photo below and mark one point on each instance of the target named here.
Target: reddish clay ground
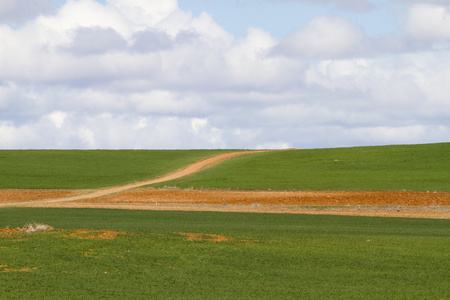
(276, 198)
(376, 203)
(32, 195)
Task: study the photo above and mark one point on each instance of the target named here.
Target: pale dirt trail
(187, 170)
(357, 203)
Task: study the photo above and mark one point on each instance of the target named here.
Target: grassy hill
(400, 167)
(87, 169)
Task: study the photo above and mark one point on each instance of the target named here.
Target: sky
(235, 74)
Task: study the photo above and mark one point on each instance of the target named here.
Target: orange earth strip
(363, 203)
(130, 196)
(15, 195)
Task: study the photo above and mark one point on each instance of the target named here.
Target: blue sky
(283, 17)
(148, 74)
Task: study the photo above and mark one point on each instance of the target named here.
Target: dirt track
(378, 203)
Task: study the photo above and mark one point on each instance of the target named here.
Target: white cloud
(145, 74)
(96, 40)
(357, 5)
(17, 11)
(58, 118)
(324, 37)
(144, 12)
(428, 22)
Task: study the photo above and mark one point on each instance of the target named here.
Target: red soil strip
(8, 231)
(373, 203)
(276, 198)
(13, 195)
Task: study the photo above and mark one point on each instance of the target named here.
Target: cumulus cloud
(150, 40)
(324, 37)
(145, 74)
(18, 11)
(428, 22)
(96, 40)
(357, 5)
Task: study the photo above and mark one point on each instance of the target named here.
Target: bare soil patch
(357, 203)
(14, 195)
(205, 237)
(93, 234)
(277, 198)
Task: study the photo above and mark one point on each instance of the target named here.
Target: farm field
(400, 167)
(129, 254)
(89, 169)
(370, 166)
(243, 228)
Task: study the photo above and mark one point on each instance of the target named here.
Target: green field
(403, 167)
(267, 256)
(88, 169)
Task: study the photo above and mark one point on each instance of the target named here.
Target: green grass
(271, 256)
(403, 167)
(86, 169)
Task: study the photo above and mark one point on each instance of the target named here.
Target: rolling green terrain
(403, 167)
(88, 169)
(261, 256)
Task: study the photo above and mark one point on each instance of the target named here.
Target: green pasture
(401, 167)
(267, 256)
(88, 169)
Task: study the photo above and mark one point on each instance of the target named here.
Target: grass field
(401, 167)
(238, 256)
(126, 254)
(88, 169)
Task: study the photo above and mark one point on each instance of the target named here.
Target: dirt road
(130, 196)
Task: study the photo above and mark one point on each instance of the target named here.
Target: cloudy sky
(187, 74)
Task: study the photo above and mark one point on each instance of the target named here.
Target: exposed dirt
(9, 231)
(277, 198)
(12, 195)
(205, 237)
(372, 203)
(130, 196)
(6, 269)
(93, 234)
(79, 234)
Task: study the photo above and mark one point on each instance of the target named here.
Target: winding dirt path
(187, 170)
(131, 196)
